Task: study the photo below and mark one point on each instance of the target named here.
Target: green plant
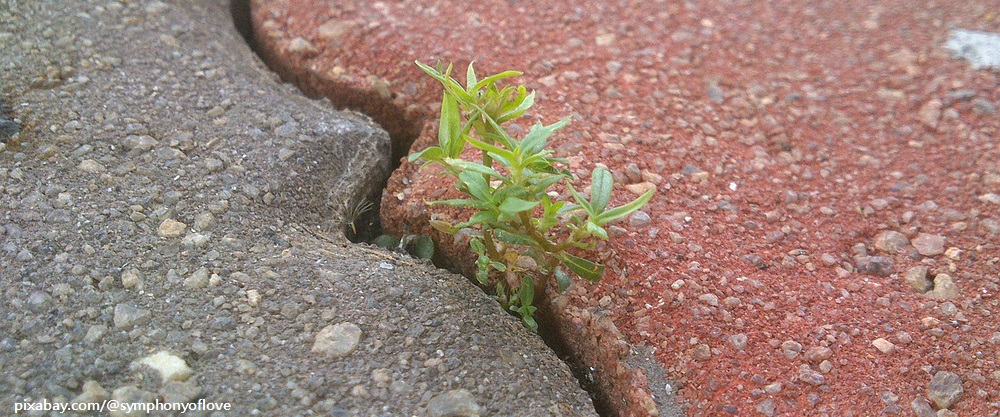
(524, 236)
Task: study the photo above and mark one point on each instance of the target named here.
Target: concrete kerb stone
(190, 127)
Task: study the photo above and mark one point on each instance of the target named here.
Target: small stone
(139, 143)
(791, 348)
(891, 241)
(128, 315)
(129, 394)
(809, 376)
(818, 354)
(767, 408)
(922, 408)
(710, 299)
(204, 221)
(92, 392)
(739, 341)
(930, 113)
(91, 166)
(194, 241)
(918, 279)
(825, 367)
(944, 288)
(990, 198)
(338, 340)
(945, 389)
(198, 279)
(284, 154)
(639, 219)
(883, 345)
(334, 30)
(928, 244)
(773, 388)
(95, 333)
(169, 366)
(640, 188)
(131, 279)
(702, 352)
(253, 298)
(454, 403)
(879, 265)
(301, 45)
(180, 392)
(39, 301)
(171, 228)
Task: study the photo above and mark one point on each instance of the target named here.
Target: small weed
(522, 235)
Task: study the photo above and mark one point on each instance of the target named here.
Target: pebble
(170, 367)
(928, 244)
(204, 221)
(879, 265)
(129, 394)
(818, 354)
(739, 341)
(922, 408)
(454, 403)
(883, 345)
(128, 315)
(91, 166)
(891, 241)
(198, 279)
(95, 333)
(640, 188)
(639, 219)
(131, 279)
(930, 113)
(39, 301)
(92, 392)
(825, 367)
(180, 391)
(767, 407)
(918, 279)
(300, 45)
(809, 376)
(338, 340)
(990, 198)
(171, 228)
(945, 389)
(710, 299)
(944, 288)
(791, 348)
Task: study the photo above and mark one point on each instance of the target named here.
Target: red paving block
(783, 138)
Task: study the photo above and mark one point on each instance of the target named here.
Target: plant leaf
(482, 205)
(477, 185)
(581, 201)
(476, 167)
(539, 134)
(514, 205)
(587, 270)
(470, 77)
(515, 238)
(623, 210)
(432, 154)
(600, 189)
(485, 82)
(450, 128)
(563, 280)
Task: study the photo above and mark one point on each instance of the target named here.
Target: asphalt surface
(172, 225)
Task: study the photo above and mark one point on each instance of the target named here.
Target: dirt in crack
(362, 222)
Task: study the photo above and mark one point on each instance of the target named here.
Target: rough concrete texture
(165, 197)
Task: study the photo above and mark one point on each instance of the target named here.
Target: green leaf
(514, 205)
(496, 151)
(421, 247)
(476, 167)
(476, 185)
(522, 107)
(450, 128)
(527, 293)
(470, 77)
(587, 270)
(432, 154)
(478, 247)
(485, 82)
(600, 189)
(563, 281)
(482, 217)
(482, 205)
(581, 201)
(539, 134)
(624, 210)
(514, 238)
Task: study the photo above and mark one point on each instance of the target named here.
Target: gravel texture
(806, 155)
(171, 227)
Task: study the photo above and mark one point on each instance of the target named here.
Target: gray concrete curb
(170, 220)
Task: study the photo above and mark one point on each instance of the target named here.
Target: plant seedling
(522, 235)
